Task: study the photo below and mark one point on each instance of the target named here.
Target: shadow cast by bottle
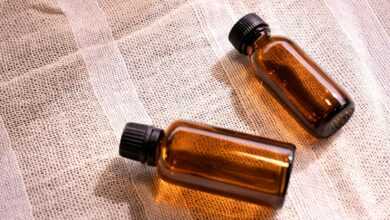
(115, 184)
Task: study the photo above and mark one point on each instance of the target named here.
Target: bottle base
(336, 122)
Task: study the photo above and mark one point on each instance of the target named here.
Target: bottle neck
(153, 149)
(158, 151)
(262, 36)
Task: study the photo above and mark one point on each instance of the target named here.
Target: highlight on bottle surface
(213, 159)
(299, 84)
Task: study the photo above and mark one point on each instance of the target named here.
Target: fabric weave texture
(72, 73)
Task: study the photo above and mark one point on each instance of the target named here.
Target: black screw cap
(246, 31)
(139, 142)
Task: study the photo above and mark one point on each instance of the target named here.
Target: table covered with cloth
(72, 73)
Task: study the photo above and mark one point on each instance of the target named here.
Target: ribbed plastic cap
(246, 31)
(139, 142)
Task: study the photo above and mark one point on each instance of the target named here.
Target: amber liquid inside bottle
(225, 162)
(301, 86)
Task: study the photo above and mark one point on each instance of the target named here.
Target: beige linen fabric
(72, 73)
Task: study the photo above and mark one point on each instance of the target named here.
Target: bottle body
(320, 105)
(225, 162)
(299, 84)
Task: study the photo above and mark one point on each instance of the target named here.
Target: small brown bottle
(213, 159)
(315, 101)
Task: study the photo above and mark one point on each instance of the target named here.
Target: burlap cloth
(73, 72)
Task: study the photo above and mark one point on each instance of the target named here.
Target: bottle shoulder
(273, 42)
(182, 129)
(280, 39)
(178, 125)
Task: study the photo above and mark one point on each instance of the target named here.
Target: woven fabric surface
(72, 73)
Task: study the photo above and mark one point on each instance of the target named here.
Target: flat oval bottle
(213, 159)
(299, 84)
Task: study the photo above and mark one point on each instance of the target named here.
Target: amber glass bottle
(213, 159)
(317, 102)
